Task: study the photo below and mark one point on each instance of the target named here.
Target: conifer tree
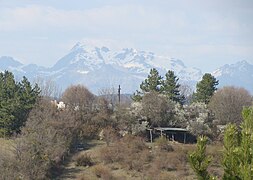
(230, 156)
(16, 100)
(170, 87)
(205, 88)
(237, 154)
(28, 96)
(137, 96)
(153, 83)
(199, 160)
(8, 102)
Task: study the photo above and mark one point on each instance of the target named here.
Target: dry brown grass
(132, 158)
(103, 172)
(131, 152)
(215, 150)
(7, 161)
(84, 160)
(155, 162)
(164, 144)
(7, 147)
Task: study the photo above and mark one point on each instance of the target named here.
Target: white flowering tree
(200, 119)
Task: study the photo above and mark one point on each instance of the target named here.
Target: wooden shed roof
(171, 129)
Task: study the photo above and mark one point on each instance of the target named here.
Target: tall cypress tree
(205, 88)
(170, 87)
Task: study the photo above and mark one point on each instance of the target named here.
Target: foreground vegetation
(237, 154)
(42, 138)
(136, 159)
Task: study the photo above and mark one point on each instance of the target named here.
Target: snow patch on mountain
(83, 72)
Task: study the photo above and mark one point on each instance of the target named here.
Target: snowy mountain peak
(177, 61)
(83, 56)
(232, 69)
(88, 47)
(238, 74)
(7, 61)
(130, 50)
(242, 63)
(82, 46)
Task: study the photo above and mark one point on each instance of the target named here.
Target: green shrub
(238, 151)
(237, 155)
(199, 160)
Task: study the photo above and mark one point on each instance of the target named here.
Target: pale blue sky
(202, 33)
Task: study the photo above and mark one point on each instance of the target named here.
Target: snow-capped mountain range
(239, 74)
(101, 67)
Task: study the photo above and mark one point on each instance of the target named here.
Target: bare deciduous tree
(110, 94)
(227, 104)
(78, 98)
(48, 88)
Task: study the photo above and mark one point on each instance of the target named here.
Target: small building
(61, 105)
(173, 134)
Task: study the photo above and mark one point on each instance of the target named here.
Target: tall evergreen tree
(137, 96)
(27, 98)
(16, 101)
(153, 83)
(205, 88)
(170, 87)
(8, 102)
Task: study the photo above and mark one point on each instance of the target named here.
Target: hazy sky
(202, 33)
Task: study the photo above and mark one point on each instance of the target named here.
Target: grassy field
(128, 161)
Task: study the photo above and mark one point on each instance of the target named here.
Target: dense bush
(44, 141)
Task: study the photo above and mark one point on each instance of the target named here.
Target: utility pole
(119, 94)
